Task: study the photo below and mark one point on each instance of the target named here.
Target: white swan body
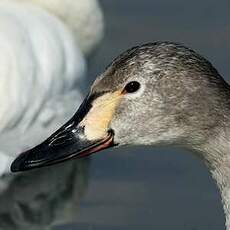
(84, 18)
(40, 65)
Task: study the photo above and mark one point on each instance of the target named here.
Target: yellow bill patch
(98, 118)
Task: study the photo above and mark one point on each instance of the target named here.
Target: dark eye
(132, 87)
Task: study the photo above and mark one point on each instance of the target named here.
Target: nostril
(61, 140)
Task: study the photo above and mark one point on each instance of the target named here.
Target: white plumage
(84, 18)
(41, 65)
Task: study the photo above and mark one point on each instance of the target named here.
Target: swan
(159, 93)
(84, 18)
(41, 68)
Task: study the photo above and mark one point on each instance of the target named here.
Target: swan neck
(216, 155)
(222, 178)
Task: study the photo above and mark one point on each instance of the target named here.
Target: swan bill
(72, 140)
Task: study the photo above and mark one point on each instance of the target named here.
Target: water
(135, 188)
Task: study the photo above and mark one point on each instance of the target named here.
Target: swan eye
(132, 87)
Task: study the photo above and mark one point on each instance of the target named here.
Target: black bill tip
(32, 158)
(18, 164)
(50, 153)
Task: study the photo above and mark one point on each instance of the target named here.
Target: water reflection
(43, 197)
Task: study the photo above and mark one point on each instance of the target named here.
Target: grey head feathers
(183, 100)
(160, 57)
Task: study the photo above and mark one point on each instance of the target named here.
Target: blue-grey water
(131, 188)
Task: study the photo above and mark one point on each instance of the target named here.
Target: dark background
(149, 188)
